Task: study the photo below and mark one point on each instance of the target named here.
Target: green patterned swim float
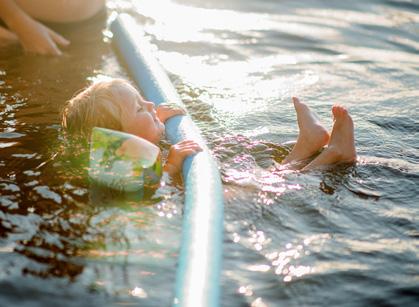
(123, 161)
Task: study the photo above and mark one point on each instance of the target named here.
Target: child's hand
(178, 153)
(167, 110)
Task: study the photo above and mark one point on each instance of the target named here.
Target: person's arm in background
(33, 35)
(7, 36)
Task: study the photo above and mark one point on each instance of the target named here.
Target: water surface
(345, 237)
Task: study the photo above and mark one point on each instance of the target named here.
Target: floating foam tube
(199, 264)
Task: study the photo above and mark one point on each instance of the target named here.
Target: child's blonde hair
(96, 106)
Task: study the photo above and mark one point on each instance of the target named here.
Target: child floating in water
(340, 146)
(115, 104)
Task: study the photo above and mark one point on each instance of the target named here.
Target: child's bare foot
(341, 148)
(312, 136)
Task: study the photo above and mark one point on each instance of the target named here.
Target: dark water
(346, 237)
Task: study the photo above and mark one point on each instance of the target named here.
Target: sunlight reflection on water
(236, 64)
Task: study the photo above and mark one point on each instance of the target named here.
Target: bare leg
(312, 136)
(341, 148)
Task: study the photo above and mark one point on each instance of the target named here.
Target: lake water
(345, 237)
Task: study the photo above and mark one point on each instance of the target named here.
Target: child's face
(139, 117)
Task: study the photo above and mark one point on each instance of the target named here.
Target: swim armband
(123, 161)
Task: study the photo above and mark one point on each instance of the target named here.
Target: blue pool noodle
(199, 263)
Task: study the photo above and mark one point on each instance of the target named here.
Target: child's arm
(33, 35)
(177, 154)
(181, 150)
